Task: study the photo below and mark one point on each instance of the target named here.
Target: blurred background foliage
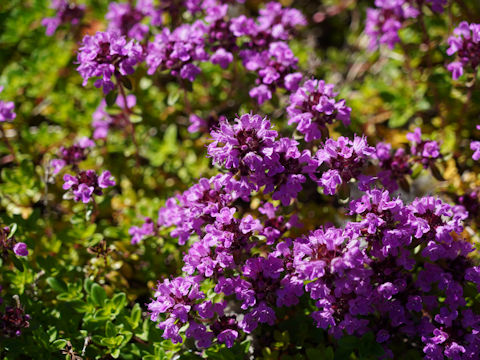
(84, 285)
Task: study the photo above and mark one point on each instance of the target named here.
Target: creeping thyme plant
(240, 179)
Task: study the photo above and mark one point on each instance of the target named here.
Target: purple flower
(383, 336)
(178, 49)
(105, 180)
(222, 58)
(73, 155)
(262, 93)
(475, 147)
(454, 351)
(83, 192)
(456, 68)
(66, 13)
(13, 320)
(243, 26)
(139, 233)
(244, 144)
(273, 65)
(473, 275)
(20, 249)
(384, 21)
(425, 151)
(175, 301)
(329, 181)
(7, 112)
(86, 184)
(69, 181)
(125, 20)
(189, 72)
(292, 81)
(57, 165)
(313, 106)
(395, 166)
(465, 42)
(197, 124)
(107, 54)
(228, 337)
(192, 211)
(345, 160)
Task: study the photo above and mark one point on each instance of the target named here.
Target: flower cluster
(126, 19)
(199, 206)
(425, 151)
(267, 52)
(313, 106)
(343, 161)
(359, 277)
(86, 184)
(180, 302)
(395, 166)
(252, 149)
(389, 16)
(466, 44)
(384, 21)
(275, 68)
(72, 155)
(177, 50)
(107, 54)
(139, 233)
(354, 275)
(260, 43)
(13, 320)
(66, 12)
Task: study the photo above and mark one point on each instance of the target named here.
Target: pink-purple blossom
(106, 55)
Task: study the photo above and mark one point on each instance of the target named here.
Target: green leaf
(119, 300)
(59, 344)
(173, 97)
(87, 285)
(57, 285)
(79, 306)
(150, 357)
(116, 353)
(111, 98)
(110, 330)
(127, 83)
(136, 314)
(98, 294)
(13, 229)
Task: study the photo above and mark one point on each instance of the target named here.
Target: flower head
(107, 54)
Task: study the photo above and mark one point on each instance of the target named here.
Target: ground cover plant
(228, 179)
